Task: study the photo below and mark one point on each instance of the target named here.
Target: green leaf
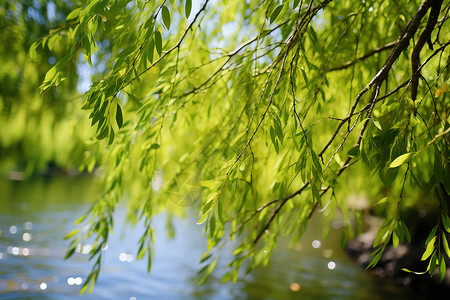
(32, 51)
(446, 222)
(158, 42)
(377, 124)
(149, 262)
(151, 48)
(220, 212)
(405, 231)
(395, 240)
(70, 252)
(74, 14)
(429, 250)
(141, 252)
(203, 218)
(50, 74)
(80, 219)
(431, 235)
(445, 244)
(154, 146)
(212, 225)
(432, 263)
(71, 234)
(166, 16)
(111, 137)
(207, 255)
(343, 239)
(119, 116)
(442, 268)
(304, 76)
(353, 152)
(409, 271)
(275, 13)
(187, 8)
(402, 159)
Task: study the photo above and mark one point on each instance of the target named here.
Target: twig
(365, 56)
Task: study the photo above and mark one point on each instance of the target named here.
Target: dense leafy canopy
(263, 113)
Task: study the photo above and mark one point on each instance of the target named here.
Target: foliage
(34, 130)
(263, 113)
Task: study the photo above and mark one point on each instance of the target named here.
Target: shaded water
(36, 215)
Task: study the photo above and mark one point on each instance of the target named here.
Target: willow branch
(424, 37)
(364, 57)
(401, 44)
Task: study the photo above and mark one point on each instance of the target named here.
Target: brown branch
(275, 213)
(365, 56)
(424, 37)
(403, 41)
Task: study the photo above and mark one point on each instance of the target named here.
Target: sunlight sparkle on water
(13, 229)
(295, 287)
(15, 251)
(125, 257)
(28, 225)
(74, 281)
(86, 249)
(25, 252)
(26, 237)
(316, 244)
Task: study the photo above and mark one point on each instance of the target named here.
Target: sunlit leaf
(429, 250)
(402, 159)
(275, 13)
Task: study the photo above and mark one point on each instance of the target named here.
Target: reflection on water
(36, 215)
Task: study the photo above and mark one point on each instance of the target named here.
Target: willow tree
(261, 114)
(33, 128)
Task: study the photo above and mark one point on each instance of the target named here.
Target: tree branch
(365, 56)
(424, 37)
(401, 44)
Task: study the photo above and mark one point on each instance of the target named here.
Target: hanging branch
(425, 37)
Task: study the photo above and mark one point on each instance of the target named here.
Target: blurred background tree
(37, 131)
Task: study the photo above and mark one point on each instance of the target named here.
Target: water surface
(35, 215)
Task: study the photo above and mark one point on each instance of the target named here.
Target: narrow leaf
(203, 218)
(187, 8)
(401, 160)
(151, 47)
(71, 234)
(442, 268)
(166, 16)
(429, 250)
(275, 13)
(445, 244)
(158, 42)
(119, 117)
(377, 124)
(74, 14)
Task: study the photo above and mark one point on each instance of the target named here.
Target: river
(36, 214)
